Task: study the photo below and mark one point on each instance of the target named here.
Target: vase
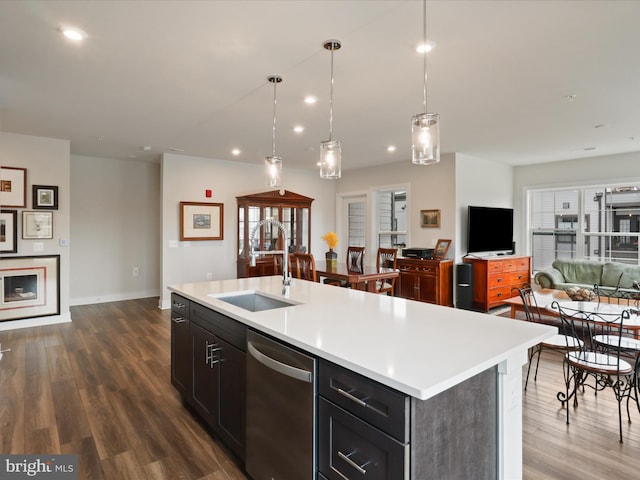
(332, 259)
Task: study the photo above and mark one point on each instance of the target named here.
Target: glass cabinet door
(291, 209)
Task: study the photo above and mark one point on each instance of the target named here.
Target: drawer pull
(178, 320)
(353, 398)
(352, 463)
(499, 280)
(179, 305)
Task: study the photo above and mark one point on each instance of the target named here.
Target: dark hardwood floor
(100, 387)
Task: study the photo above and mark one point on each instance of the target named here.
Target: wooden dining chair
(561, 343)
(355, 259)
(386, 259)
(303, 266)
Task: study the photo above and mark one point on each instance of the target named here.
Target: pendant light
(425, 127)
(330, 150)
(273, 163)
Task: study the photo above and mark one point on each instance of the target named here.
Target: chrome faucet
(286, 280)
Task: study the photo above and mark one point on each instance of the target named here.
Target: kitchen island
(421, 350)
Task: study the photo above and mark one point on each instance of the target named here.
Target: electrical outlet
(136, 271)
(209, 276)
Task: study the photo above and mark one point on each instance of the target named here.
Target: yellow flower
(331, 238)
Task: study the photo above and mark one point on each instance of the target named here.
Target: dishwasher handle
(283, 368)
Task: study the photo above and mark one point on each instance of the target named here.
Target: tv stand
(494, 278)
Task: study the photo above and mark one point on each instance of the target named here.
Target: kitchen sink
(253, 301)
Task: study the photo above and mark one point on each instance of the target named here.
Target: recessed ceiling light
(174, 149)
(391, 148)
(310, 99)
(235, 151)
(425, 47)
(600, 125)
(570, 98)
(298, 129)
(589, 148)
(73, 33)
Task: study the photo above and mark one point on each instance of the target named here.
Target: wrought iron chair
(303, 266)
(604, 363)
(386, 259)
(619, 295)
(559, 343)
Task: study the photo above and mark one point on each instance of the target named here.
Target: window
(599, 223)
(392, 218)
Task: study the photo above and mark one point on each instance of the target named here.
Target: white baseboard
(35, 322)
(114, 297)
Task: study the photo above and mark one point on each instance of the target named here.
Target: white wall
(429, 187)
(483, 183)
(115, 226)
(620, 168)
(47, 163)
(186, 178)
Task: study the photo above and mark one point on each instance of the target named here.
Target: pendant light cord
(331, 98)
(273, 135)
(424, 60)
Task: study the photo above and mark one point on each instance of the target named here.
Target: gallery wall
(47, 161)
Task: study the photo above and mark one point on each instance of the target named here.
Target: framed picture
(29, 287)
(37, 225)
(45, 197)
(13, 187)
(430, 218)
(201, 221)
(442, 247)
(8, 231)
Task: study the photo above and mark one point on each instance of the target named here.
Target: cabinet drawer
(499, 280)
(499, 293)
(226, 328)
(352, 449)
(494, 266)
(517, 278)
(379, 405)
(179, 306)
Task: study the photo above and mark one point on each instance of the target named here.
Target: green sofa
(609, 276)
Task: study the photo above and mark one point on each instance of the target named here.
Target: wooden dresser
(495, 277)
(428, 281)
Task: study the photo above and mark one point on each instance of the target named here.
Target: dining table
(630, 323)
(361, 279)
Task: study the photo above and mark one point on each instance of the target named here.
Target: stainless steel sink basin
(253, 301)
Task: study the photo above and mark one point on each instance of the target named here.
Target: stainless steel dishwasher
(281, 404)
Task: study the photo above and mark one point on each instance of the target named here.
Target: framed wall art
(29, 287)
(430, 218)
(442, 247)
(45, 197)
(13, 187)
(37, 225)
(201, 221)
(8, 231)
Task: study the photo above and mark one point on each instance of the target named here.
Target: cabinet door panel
(204, 374)
(231, 396)
(180, 354)
(429, 289)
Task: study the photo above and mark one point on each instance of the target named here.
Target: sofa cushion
(579, 271)
(611, 274)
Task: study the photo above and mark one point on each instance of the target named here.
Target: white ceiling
(192, 75)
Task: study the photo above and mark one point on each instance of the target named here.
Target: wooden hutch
(289, 208)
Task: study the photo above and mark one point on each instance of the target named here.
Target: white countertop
(417, 348)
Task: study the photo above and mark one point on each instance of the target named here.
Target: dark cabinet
(180, 345)
(428, 281)
(209, 365)
(370, 431)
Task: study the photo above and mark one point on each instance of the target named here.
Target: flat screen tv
(490, 230)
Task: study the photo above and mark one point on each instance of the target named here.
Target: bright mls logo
(50, 467)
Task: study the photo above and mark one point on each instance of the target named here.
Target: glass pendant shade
(425, 138)
(273, 167)
(330, 159)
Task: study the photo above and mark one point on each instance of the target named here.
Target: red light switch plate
(207, 193)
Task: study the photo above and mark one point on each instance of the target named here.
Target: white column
(510, 416)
